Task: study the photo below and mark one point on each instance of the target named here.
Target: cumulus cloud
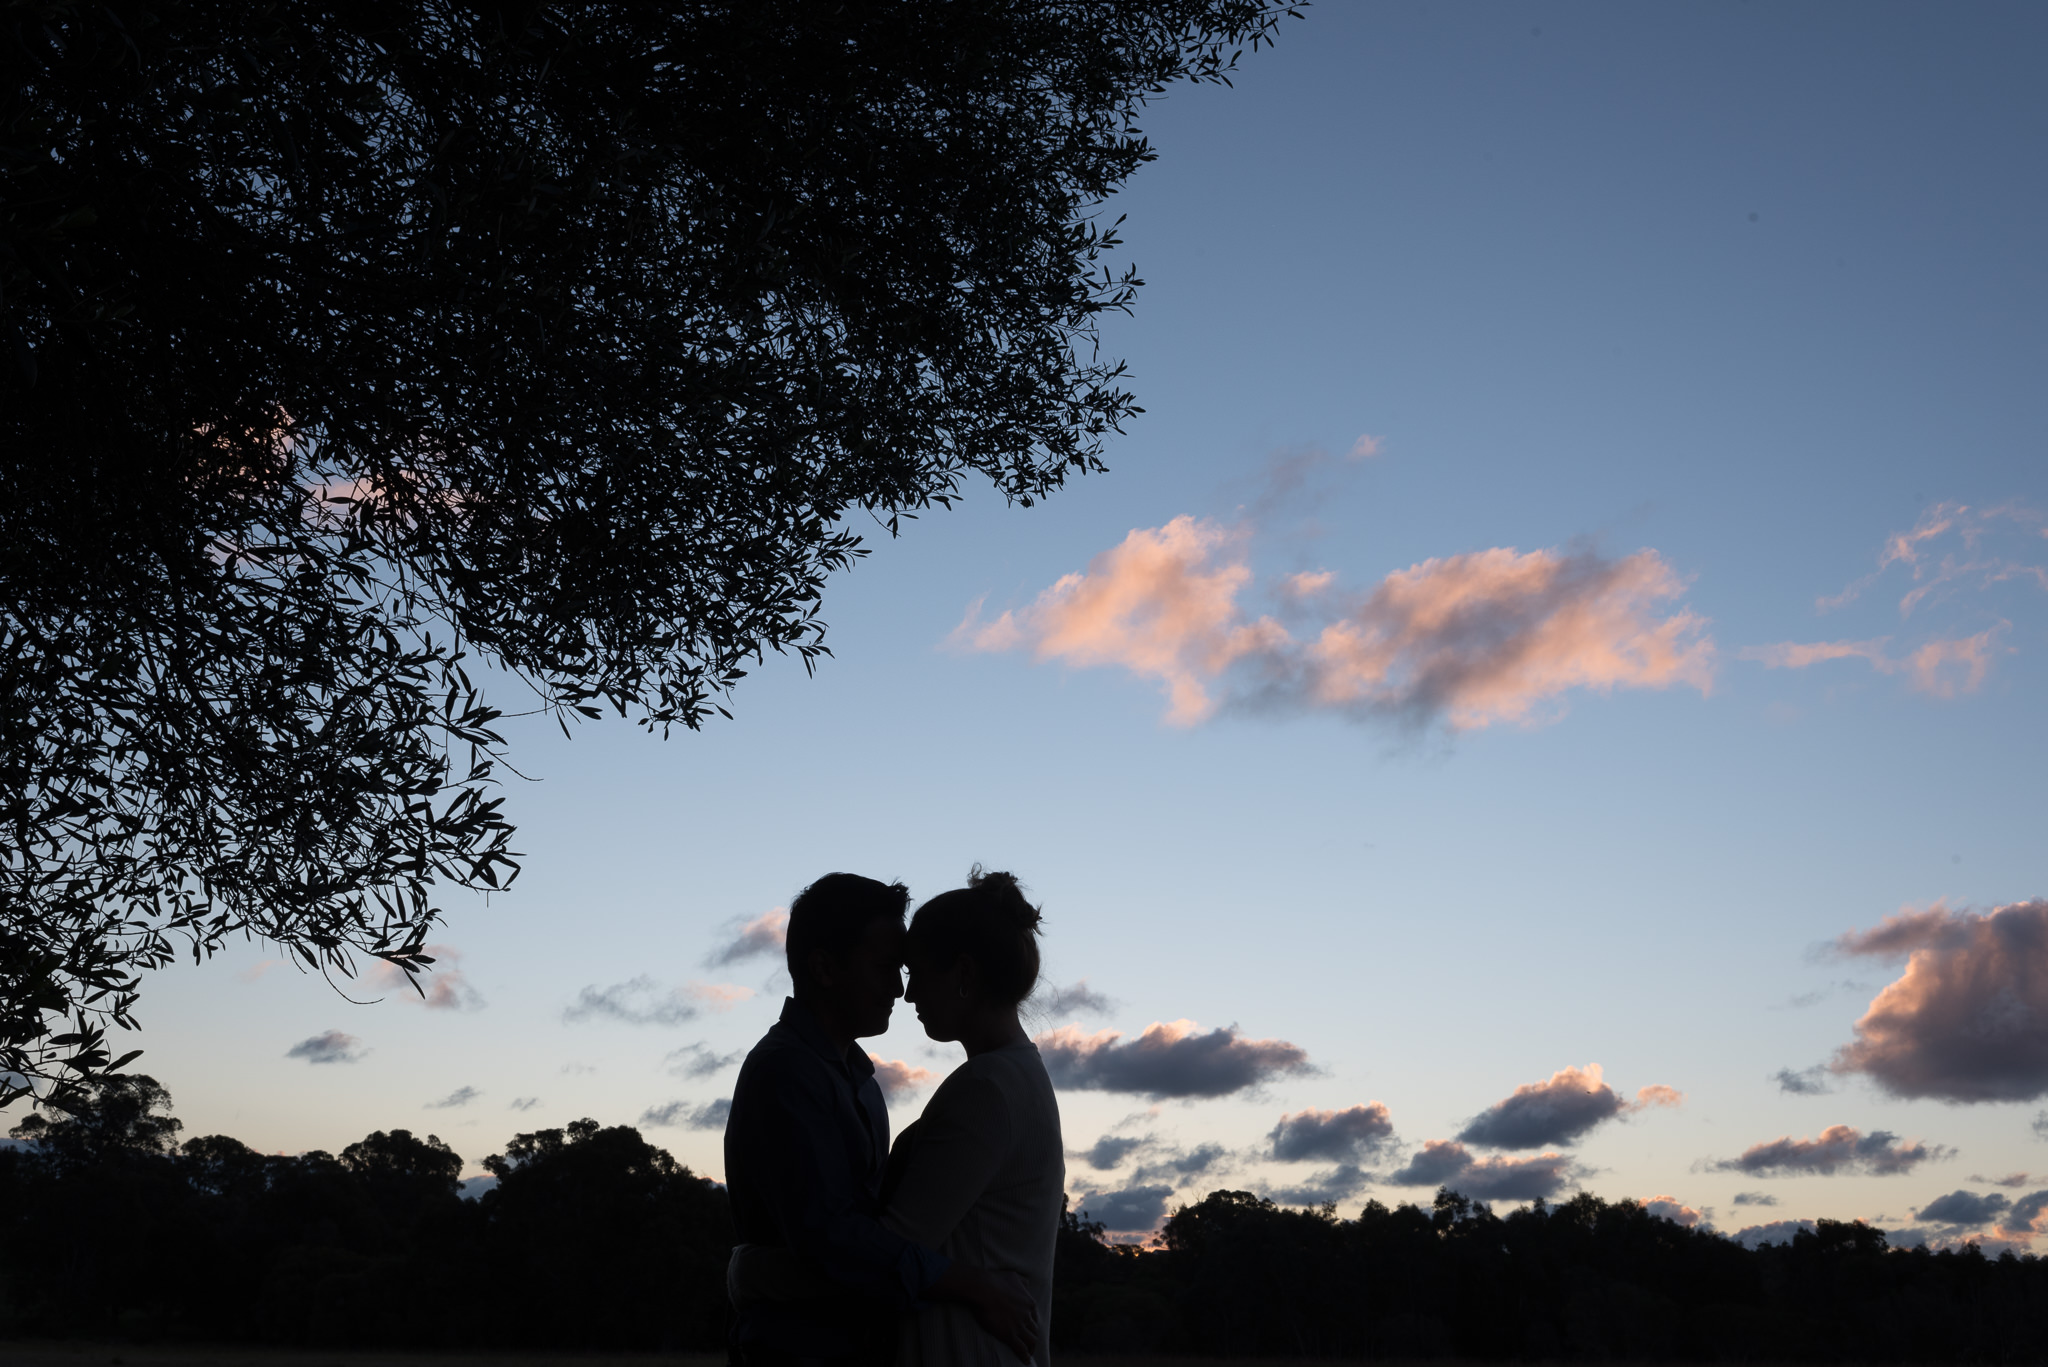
(2025, 1219)
(461, 1096)
(1968, 1021)
(710, 1116)
(1939, 668)
(1673, 1209)
(898, 1078)
(1134, 1210)
(1338, 1184)
(1559, 1110)
(1776, 1232)
(1332, 1136)
(763, 935)
(331, 1046)
(700, 1060)
(441, 987)
(1078, 1000)
(1111, 1150)
(1963, 1208)
(642, 1001)
(1472, 640)
(1170, 1059)
(1806, 1082)
(1840, 1148)
(1753, 1198)
(1446, 1163)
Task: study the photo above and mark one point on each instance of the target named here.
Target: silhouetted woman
(981, 1175)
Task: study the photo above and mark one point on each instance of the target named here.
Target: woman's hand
(1000, 1301)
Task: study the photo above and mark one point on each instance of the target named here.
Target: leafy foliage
(351, 342)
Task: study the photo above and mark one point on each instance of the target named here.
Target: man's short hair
(833, 913)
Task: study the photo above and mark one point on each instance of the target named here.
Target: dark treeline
(594, 1238)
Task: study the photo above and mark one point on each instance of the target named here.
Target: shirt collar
(804, 1025)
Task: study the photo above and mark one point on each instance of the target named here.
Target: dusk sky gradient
(1563, 646)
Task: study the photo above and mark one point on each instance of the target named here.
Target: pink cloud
(718, 996)
(1671, 1208)
(1154, 605)
(1942, 668)
(1838, 1148)
(1968, 1020)
(764, 935)
(1971, 529)
(1308, 582)
(1475, 639)
(1169, 1059)
(1486, 637)
(440, 987)
(897, 1077)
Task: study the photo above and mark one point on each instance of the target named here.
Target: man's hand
(1000, 1301)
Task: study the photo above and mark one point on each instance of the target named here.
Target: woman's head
(972, 950)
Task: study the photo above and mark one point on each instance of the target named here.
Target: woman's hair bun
(1007, 894)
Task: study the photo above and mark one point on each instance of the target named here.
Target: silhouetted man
(816, 1276)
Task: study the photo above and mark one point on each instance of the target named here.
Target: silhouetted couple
(940, 1250)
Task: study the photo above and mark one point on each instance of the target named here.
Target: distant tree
(104, 1120)
(350, 345)
(631, 1244)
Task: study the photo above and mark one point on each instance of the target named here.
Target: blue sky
(1751, 288)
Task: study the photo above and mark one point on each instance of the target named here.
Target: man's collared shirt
(806, 1144)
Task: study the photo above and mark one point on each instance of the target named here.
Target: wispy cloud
(1470, 640)
(637, 1001)
(1983, 547)
(330, 1046)
(1968, 1020)
(1332, 1136)
(898, 1078)
(1170, 1059)
(1838, 1149)
(461, 1096)
(700, 1060)
(1939, 668)
(1078, 1000)
(709, 1116)
(1559, 1110)
(763, 935)
(440, 987)
(1805, 1082)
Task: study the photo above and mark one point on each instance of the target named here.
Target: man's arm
(816, 1201)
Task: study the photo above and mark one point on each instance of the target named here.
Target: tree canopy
(353, 345)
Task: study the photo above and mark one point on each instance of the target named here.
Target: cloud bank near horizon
(1471, 640)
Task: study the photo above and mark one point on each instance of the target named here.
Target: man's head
(845, 948)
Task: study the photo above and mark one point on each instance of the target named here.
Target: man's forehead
(884, 934)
